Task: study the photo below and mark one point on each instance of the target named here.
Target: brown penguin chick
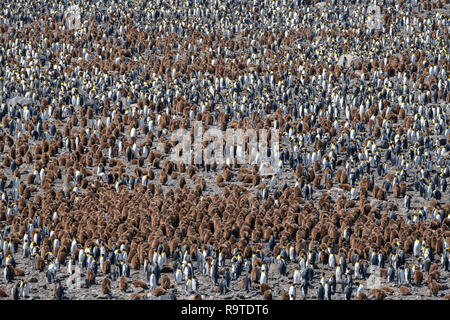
(317, 166)
(350, 204)
(151, 174)
(90, 276)
(182, 182)
(380, 194)
(268, 295)
(387, 290)
(243, 283)
(197, 296)
(30, 179)
(433, 267)
(434, 288)
(418, 277)
(439, 242)
(167, 268)
(165, 282)
(137, 296)
(264, 287)
(106, 286)
(378, 294)
(174, 176)
(317, 181)
(219, 179)
(285, 295)
(375, 190)
(383, 272)
(227, 174)
(345, 186)
(158, 292)
(404, 291)
(123, 284)
(106, 267)
(311, 175)
(402, 189)
(62, 255)
(3, 293)
(19, 272)
(324, 257)
(343, 178)
(40, 263)
(396, 191)
(434, 275)
(299, 171)
(361, 296)
(140, 284)
(163, 177)
(135, 264)
(447, 297)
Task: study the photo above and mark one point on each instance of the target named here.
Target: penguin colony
(91, 207)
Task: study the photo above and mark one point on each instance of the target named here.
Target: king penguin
(58, 291)
(328, 291)
(223, 286)
(292, 292)
(320, 292)
(348, 292)
(15, 292)
(247, 282)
